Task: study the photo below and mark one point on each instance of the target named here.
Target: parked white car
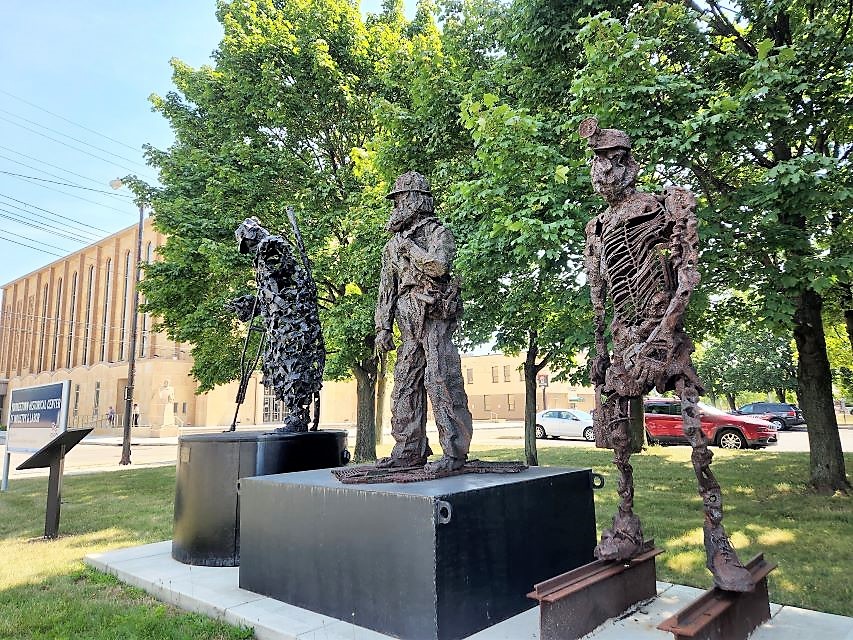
(570, 423)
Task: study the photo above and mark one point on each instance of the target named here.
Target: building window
(184, 408)
(41, 365)
(87, 326)
(487, 404)
(76, 400)
(469, 376)
(96, 401)
(125, 301)
(510, 402)
(274, 410)
(71, 326)
(105, 327)
(506, 373)
(521, 373)
(494, 374)
(57, 324)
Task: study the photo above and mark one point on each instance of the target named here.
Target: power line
(52, 246)
(55, 166)
(50, 253)
(71, 146)
(41, 226)
(53, 213)
(56, 115)
(64, 184)
(56, 131)
(70, 195)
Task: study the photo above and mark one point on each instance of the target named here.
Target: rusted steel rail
(574, 603)
(725, 615)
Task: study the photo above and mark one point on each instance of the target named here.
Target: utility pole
(131, 360)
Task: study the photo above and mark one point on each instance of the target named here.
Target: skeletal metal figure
(642, 254)
(286, 300)
(417, 290)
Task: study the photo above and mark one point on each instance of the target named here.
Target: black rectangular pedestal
(435, 560)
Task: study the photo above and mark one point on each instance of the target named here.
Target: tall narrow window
(494, 374)
(40, 365)
(72, 313)
(87, 326)
(76, 400)
(469, 376)
(96, 401)
(125, 301)
(506, 373)
(143, 343)
(29, 328)
(105, 326)
(57, 324)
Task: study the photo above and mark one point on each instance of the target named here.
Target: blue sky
(93, 63)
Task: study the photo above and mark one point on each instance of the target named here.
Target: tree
(749, 105)
(747, 358)
(278, 120)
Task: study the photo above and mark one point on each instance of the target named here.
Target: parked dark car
(782, 414)
(664, 426)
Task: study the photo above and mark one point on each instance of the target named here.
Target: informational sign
(542, 380)
(36, 416)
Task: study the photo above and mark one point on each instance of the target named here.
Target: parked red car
(664, 426)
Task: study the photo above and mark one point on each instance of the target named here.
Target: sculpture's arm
(437, 259)
(386, 302)
(598, 295)
(244, 307)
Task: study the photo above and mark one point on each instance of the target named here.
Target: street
(102, 454)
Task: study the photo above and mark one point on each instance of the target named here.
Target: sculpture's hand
(385, 341)
(600, 365)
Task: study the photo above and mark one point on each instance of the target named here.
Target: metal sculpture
(641, 256)
(417, 289)
(292, 342)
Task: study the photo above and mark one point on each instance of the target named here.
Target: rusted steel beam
(574, 603)
(725, 615)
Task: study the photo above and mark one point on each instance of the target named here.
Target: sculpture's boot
(445, 463)
(729, 574)
(395, 463)
(623, 540)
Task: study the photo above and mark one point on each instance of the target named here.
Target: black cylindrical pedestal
(207, 518)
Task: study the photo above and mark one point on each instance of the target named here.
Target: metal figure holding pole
(292, 342)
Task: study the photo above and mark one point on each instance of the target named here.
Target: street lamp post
(131, 360)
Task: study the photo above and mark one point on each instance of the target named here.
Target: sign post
(37, 415)
(542, 381)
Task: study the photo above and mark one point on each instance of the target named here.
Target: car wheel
(780, 424)
(649, 438)
(540, 432)
(589, 434)
(731, 439)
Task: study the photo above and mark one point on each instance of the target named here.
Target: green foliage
(840, 359)
(747, 358)
(758, 125)
(284, 118)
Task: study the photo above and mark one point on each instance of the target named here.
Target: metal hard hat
(410, 181)
(603, 138)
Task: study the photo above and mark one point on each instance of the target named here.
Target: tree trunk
(730, 398)
(381, 386)
(780, 395)
(365, 425)
(531, 456)
(814, 381)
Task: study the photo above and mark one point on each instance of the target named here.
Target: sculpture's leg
(408, 408)
(443, 380)
(729, 574)
(624, 539)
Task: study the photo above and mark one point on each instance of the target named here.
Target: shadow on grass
(768, 508)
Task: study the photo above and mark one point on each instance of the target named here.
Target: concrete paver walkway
(214, 592)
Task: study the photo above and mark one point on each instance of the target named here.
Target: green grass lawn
(47, 593)
(767, 509)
